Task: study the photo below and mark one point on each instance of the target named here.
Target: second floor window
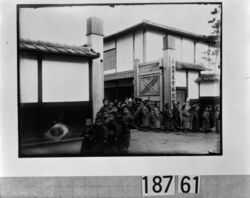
(109, 59)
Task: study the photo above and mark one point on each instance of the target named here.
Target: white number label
(158, 185)
(188, 184)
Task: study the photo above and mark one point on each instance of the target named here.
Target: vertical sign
(158, 185)
(189, 184)
(173, 81)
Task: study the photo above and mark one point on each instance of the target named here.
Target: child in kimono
(87, 136)
(145, 115)
(167, 118)
(156, 116)
(206, 120)
(186, 117)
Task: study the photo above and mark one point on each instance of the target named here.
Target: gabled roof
(146, 24)
(55, 48)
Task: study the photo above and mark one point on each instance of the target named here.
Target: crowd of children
(110, 133)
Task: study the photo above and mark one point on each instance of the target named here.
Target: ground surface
(144, 143)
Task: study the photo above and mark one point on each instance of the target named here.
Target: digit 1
(196, 183)
(146, 184)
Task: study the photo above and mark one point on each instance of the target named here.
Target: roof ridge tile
(46, 46)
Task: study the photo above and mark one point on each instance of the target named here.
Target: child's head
(114, 109)
(99, 115)
(196, 107)
(98, 121)
(146, 102)
(111, 117)
(111, 104)
(105, 102)
(126, 100)
(105, 114)
(125, 109)
(88, 122)
(123, 104)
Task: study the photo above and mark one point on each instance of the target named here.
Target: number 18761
(166, 185)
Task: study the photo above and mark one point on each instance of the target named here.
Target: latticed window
(109, 59)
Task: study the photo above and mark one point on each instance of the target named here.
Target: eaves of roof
(208, 77)
(190, 66)
(146, 24)
(55, 48)
(119, 75)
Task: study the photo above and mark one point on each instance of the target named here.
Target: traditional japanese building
(56, 84)
(132, 53)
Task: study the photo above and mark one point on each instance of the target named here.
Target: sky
(67, 25)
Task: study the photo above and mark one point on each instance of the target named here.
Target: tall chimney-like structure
(95, 41)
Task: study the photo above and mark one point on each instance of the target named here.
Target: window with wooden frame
(109, 59)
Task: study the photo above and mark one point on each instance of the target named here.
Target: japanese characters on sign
(173, 81)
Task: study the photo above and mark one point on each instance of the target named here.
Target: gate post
(136, 62)
(168, 47)
(95, 41)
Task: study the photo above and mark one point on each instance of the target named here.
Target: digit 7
(170, 178)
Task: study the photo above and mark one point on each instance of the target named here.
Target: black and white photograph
(119, 79)
(124, 98)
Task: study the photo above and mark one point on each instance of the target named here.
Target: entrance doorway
(119, 89)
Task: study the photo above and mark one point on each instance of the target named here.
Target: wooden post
(95, 41)
(167, 77)
(136, 62)
(168, 47)
(161, 68)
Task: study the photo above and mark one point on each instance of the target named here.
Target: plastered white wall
(139, 46)
(28, 79)
(125, 53)
(201, 50)
(181, 78)
(154, 45)
(65, 81)
(177, 52)
(193, 87)
(209, 89)
(187, 50)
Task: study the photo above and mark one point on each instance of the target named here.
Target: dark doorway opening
(119, 89)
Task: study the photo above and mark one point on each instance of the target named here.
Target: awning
(119, 75)
(190, 66)
(208, 77)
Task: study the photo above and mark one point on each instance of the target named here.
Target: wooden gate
(149, 81)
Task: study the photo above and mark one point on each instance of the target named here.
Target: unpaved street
(143, 143)
(174, 143)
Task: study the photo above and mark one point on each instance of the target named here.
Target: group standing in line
(110, 133)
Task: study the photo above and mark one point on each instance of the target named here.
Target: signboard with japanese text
(173, 80)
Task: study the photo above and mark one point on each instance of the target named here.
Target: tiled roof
(119, 75)
(146, 24)
(55, 48)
